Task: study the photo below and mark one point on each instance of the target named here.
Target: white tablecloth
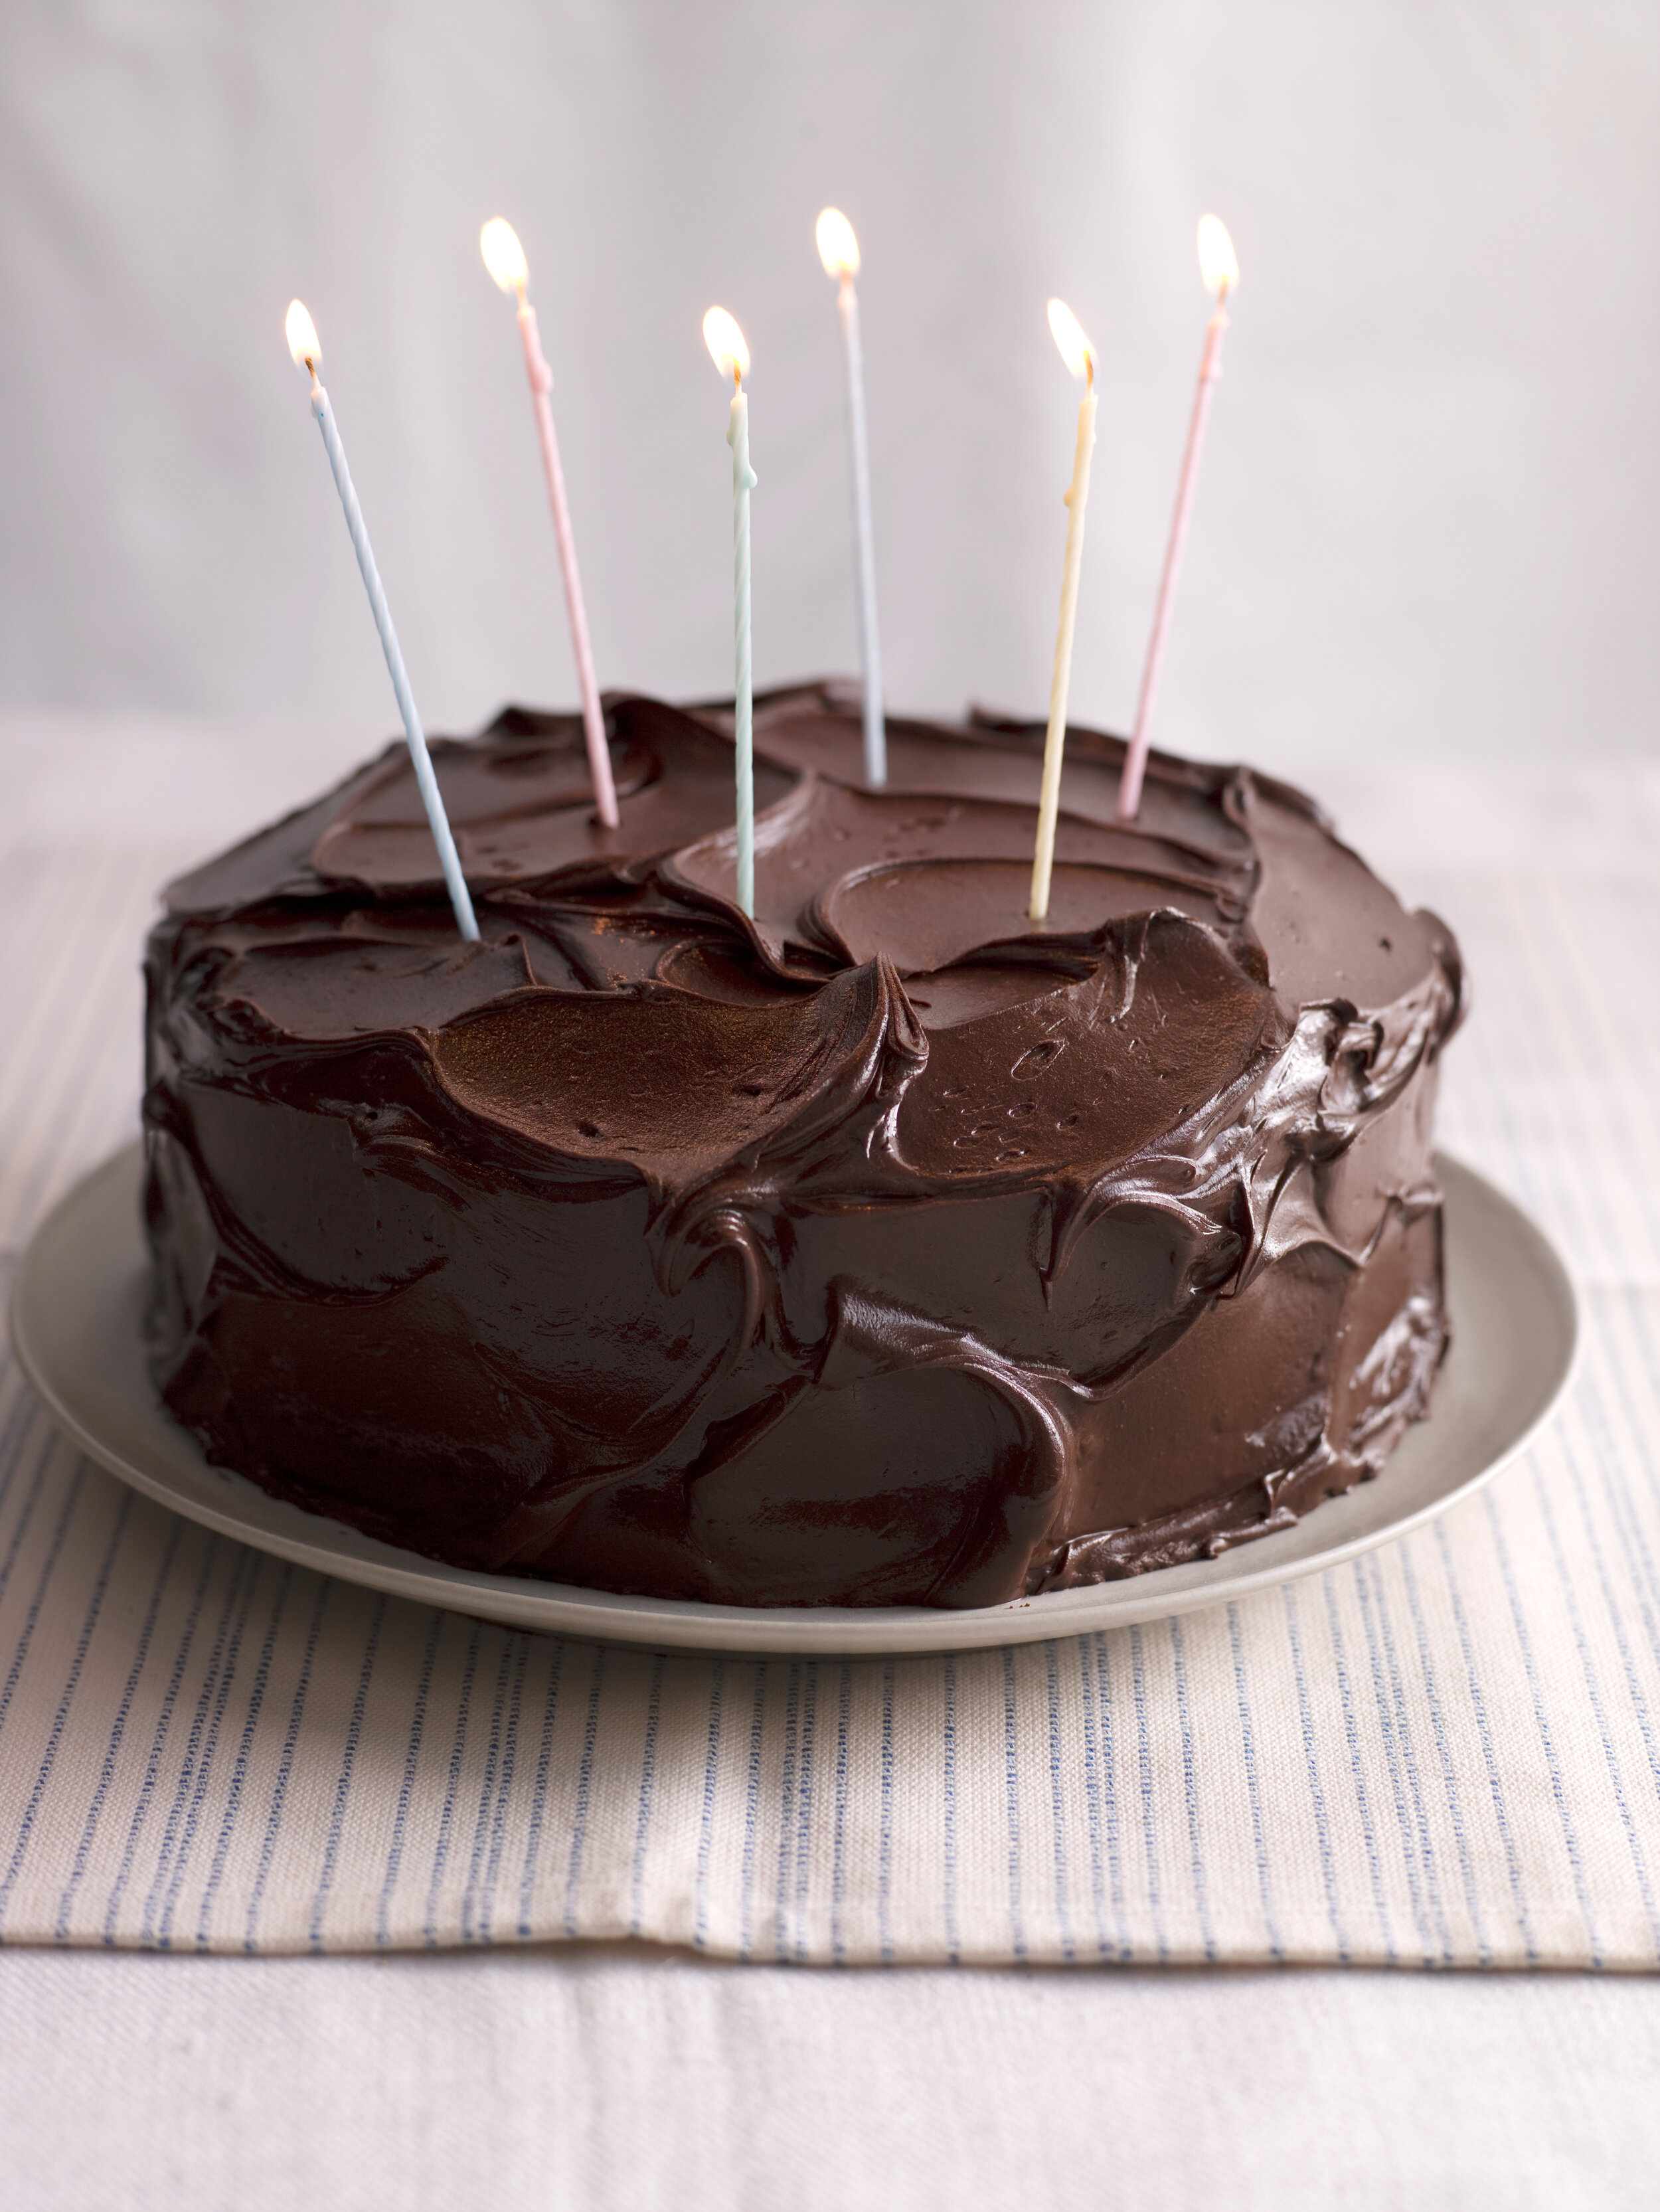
(597, 2081)
(1499, 1785)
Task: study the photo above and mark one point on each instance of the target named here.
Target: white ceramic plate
(75, 1324)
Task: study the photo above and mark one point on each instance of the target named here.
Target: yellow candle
(1080, 357)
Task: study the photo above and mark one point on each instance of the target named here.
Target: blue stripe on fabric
(526, 1931)
(1368, 1575)
(884, 1823)
(1443, 1749)
(1114, 1837)
(579, 1833)
(210, 1554)
(1357, 1764)
(49, 1757)
(785, 1805)
(706, 1817)
(1392, 1766)
(1190, 1792)
(1057, 1801)
(179, 1845)
(751, 1814)
(948, 1772)
(244, 1750)
(175, 1529)
(1629, 1532)
(320, 1903)
(163, 1723)
(498, 1828)
(1093, 1818)
(1149, 1814)
(1317, 1786)
(481, 1823)
(1253, 1786)
(647, 1778)
(839, 1816)
(440, 1850)
(1610, 1457)
(1489, 1754)
(1594, 1690)
(155, 1920)
(20, 1409)
(1012, 1800)
(803, 1801)
(1558, 1794)
(48, 1568)
(279, 1797)
(1637, 1305)
(436, 1623)
(26, 1419)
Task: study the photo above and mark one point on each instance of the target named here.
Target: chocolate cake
(882, 1250)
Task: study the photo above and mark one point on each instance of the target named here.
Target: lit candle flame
(838, 249)
(1076, 350)
(1219, 265)
(301, 334)
(726, 343)
(504, 257)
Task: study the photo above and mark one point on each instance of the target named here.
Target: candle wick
(1089, 372)
(737, 380)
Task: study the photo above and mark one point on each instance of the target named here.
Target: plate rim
(328, 1546)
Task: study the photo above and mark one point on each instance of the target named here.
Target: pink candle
(504, 258)
(1220, 271)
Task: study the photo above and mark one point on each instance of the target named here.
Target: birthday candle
(504, 258)
(731, 357)
(301, 334)
(1220, 272)
(1080, 357)
(838, 249)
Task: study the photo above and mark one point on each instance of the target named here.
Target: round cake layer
(883, 1249)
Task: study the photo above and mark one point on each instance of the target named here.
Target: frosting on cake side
(882, 1250)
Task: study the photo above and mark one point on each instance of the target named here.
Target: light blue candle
(302, 343)
(743, 482)
(731, 357)
(876, 735)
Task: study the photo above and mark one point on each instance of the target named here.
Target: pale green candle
(838, 249)
(1080, 357)
(731, 357)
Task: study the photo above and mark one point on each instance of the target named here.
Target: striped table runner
(1443, 1754)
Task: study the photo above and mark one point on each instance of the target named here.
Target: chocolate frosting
(883, 1248)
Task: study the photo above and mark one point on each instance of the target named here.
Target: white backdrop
(1427, 521)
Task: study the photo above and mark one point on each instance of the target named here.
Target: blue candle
(731, 357)
(303, 345)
